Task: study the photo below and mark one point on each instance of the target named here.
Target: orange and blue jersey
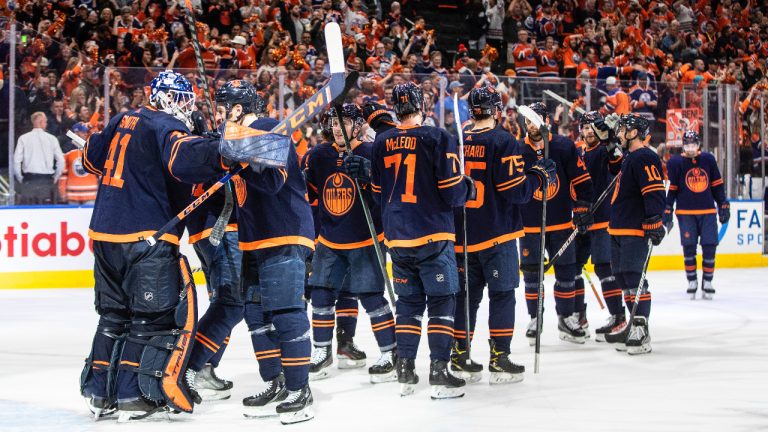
(639, 193)
(601, 171)
(525, 59)
(416, 177)
(493, 158)
(571, 183)
(342, 221)
(143, 158)
(312, 201)
(201, 221)
(272, 207)
(695, 183)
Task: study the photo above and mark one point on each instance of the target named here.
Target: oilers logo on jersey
(77, 168)
(697, 180)
(240, 190)
(552, 189)
(339, 194)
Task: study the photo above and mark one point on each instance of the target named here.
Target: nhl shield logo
(148, 295)
(339, 194)
(440, 277)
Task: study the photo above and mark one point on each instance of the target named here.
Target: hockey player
(637, 206)
(276, 236)
(142, 156)
(603, 157)
(415, 172)
(571, 177)
(345, 258)
(493, 159)
(695, 183)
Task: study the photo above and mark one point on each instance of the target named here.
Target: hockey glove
(654, 229)
(667, 220)
(471, 188)
(724, 212)
(544, 169)
(198, 123)
(614, 150)
(358, 167)
(582, 216)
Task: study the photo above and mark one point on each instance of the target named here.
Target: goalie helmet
(634, 122)
(240, 92)
(172, 93)
(484, 101)
(407, 99)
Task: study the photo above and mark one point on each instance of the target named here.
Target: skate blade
(642, 349)
(159, 413)
(443, 392)
(214, 395)
(320, 375)
(303, 415)
(383, 378)
(348, 363)
(407, 389)
(531, 341)
(705, 296)
(599, 337)
(587, 335)
(470, 377)
(504, 378)
(266, 411)
(572, 339)
(621, 347)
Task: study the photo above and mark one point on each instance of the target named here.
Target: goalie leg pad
(98, 378)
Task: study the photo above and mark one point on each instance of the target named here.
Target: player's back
(416, 171)
(638, 193)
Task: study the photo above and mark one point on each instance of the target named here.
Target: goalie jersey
(415, 172)
(272, 206)
(143, 157)
(695, 183)
(342, 221)
(492, 157)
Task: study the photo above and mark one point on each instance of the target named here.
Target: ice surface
(707, 372)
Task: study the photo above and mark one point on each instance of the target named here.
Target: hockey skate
(692, 287)
(639, 340)
(530, 332)
(464, 367)
(615, 323)
(100, 407)
(141, 409)
(349, 356)
(297, 407)
(444, 385)
(263, 404)
(384, 369)
(406, 375)
(569, 329)
(707, 290)
(618, 337)
(320, 363)
(210, 387)
(503, 371)
(583, 323)
(190, 379)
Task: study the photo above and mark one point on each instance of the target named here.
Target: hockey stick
(217, 232)
(585, 273)
(467, 326)
(79, 142)
(335, 88)
(564, 101)
(575, 232)
(536, 119)
(640, 287)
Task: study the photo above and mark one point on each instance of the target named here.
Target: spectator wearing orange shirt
(77, 186)
(525, 56)
(616, 100)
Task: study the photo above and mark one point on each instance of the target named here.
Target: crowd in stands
(642, 56)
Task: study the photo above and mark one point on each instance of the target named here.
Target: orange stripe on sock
(440, 331)
(408, 331)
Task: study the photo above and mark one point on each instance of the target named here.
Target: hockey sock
(611, 293)
(410, 313)
(215, 325)
(501, 318)
(323, 319)
(109, 331)
(346, 313)
(382, 320)
(632, 280)
(531, 292)
(264, 340)
(127, 378)
(292, 327)
(565, 289)
(578, 302)
(708, 261)
(440, 328)
(216, 359)
(689, 256)
(460, 329)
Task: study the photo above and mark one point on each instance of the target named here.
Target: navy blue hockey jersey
(639, 193)
(602, 171)
(342, 221)
(695, 183)
(572, 182)
(416, 172)
(493, 158)
(273, 208)
(200, 222)
(143, 157)
(312, 201)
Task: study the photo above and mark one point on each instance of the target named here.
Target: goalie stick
(460, 135)
(336, 87)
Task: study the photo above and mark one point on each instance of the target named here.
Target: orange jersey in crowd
(549, 66)
(617, 101)
(525, 59)
(76, 184)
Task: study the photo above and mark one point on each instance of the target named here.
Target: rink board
(45, 247)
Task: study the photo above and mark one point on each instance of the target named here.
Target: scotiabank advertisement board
(48, 247)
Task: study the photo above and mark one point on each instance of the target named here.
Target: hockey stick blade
(334, 47)
(79, 142)
(531, 115)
